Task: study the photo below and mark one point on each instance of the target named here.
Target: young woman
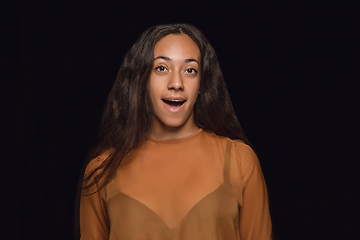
(172, 161)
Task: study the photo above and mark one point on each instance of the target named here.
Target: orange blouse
(200, 187)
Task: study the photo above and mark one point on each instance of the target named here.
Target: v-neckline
(185, 216)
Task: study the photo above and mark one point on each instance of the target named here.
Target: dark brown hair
(128, 113)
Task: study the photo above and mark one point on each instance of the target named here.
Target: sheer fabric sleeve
(94, 224)
(255, 221)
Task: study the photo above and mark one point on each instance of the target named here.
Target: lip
(174, 109)
(174, 98)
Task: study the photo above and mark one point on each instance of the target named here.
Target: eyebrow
(168, 59)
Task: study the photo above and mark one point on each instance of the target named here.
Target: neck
(161, 131)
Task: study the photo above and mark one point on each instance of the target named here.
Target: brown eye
(161, 68)
(191, 71)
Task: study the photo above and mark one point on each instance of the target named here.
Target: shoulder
(243, 157)
(246, 164)
(243, 152)
(239, 149)
(92, 170)
(96, 162)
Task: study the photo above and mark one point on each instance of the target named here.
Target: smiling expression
(174, 83)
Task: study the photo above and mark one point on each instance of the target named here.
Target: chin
(173, 124)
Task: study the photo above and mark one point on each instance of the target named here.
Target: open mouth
(173, 103)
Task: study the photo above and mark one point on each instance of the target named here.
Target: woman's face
(174, 82)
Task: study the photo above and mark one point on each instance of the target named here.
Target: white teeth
(173, 101)
(176, 101)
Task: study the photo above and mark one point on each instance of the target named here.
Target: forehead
(177, 45)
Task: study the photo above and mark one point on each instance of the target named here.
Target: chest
(173, 191)
(170, 185)
(215, 216)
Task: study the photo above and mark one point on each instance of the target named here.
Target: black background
(292, 72)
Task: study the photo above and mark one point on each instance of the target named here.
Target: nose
(175, 81)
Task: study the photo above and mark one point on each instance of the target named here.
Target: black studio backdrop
(290, 69)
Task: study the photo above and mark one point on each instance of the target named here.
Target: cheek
(154, 97)
(151, 89)
(195, 91)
